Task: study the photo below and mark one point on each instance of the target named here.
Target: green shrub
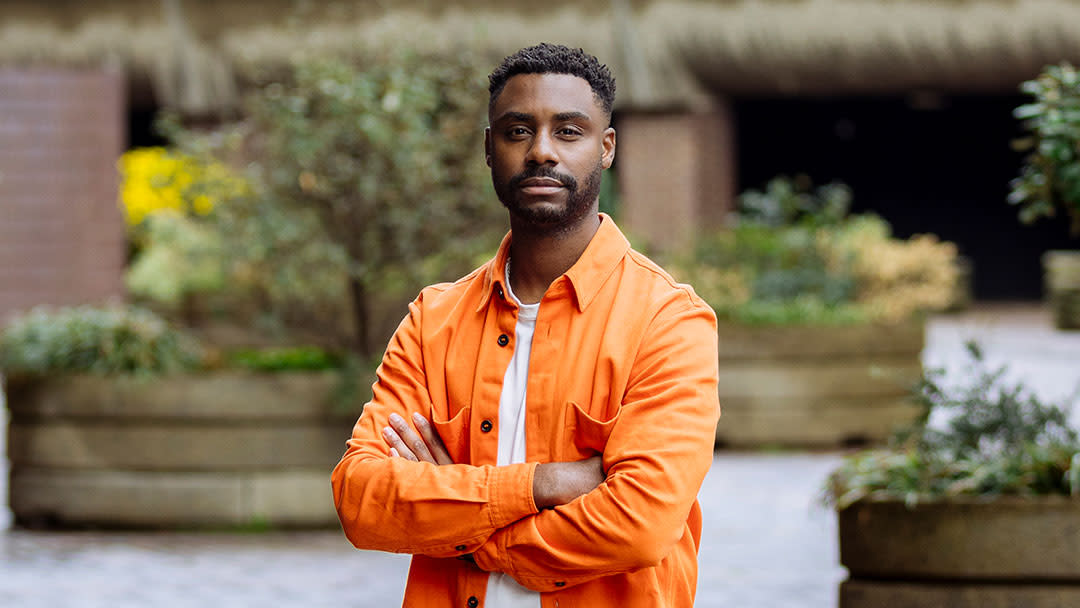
(789, 202)
(87, 339)
(182, 257)
(794, 256)
(285, 358)
(998, 438)
(386, 157)
(1049, 180)
(366, 183)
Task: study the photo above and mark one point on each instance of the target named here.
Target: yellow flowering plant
(168, 197)
(158, 179)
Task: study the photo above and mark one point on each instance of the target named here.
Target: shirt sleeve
(392, 504)
(656, 458)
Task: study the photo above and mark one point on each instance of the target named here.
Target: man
(540, 429)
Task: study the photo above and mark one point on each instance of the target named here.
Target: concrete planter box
(816, 386)
(1062, 282)
(961, 553)
(219, 449)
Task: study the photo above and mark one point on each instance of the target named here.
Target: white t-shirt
(502, 590)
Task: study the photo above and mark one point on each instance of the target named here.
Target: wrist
(544, 485)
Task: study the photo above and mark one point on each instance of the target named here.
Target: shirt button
(473, 602)
(504, 339)
(560, 584)
(485, 426)
(499, 291)
(460, 548)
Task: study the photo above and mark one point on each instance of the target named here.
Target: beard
(546, 218)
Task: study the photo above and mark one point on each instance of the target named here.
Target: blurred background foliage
(342, 189)
(980, 434)
(795, 255)
(315, 217)
(1049, 180)
(94, 339)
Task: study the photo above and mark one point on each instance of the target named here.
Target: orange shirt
(624, 364)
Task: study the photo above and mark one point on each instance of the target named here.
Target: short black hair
(546, 58)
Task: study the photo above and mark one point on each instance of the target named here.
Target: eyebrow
(560, 117)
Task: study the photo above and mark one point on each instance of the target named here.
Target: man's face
(547, 144)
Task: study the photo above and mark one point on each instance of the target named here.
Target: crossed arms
(554, 483)
(615, 513)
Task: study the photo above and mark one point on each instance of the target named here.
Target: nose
(542, 150)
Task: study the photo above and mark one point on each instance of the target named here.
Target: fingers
(425, 446)
(432, 439)
(409, 440)
(397, 445)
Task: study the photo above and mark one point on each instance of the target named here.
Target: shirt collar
(586, 276)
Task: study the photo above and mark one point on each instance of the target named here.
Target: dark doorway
(141, 130)
(926, 163)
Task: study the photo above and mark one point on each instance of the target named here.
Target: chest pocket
(588, 435)
(454, 434)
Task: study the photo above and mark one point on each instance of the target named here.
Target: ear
(608, 145)
(487, 145)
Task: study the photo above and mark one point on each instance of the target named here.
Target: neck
(537, 259)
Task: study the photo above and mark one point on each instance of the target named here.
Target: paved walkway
(768, 543)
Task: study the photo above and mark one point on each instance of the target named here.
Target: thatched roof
(665, 53)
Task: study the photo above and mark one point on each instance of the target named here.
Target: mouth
(540, 185)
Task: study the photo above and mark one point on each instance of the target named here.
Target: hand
(405, 443)
(557, 483)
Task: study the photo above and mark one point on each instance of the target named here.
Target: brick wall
(61, 232)
(676, 173)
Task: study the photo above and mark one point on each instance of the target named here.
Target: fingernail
(389, 432)
(396, 418)
(417, 418)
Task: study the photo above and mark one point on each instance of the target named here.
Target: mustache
(567, 181)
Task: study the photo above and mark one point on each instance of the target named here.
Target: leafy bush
(182, 257)
(1049, 180)
(285, 358)
(999, 438)
(96, 340)
(796, 256)
(366, 184)
(387, 158)
(787, 202)
(892, 278)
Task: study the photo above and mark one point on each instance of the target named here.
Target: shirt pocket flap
(590, 434)
(454, 434)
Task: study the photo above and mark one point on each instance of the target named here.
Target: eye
(568, 132)
(517, 132)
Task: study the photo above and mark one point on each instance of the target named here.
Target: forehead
(546, 95)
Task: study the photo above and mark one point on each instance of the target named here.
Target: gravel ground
(768, 543)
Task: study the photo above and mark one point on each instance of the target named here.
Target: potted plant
(974, 506)
(118, 419)
(1049, 180)
(820, 313)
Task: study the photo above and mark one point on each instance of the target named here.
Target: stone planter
(961, 553)
(223, 449)
(816, 386)
(1062, 281)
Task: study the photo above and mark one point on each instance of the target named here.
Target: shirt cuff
(512, 495)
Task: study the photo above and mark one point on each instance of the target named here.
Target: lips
(541, 182)
(540, 186)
